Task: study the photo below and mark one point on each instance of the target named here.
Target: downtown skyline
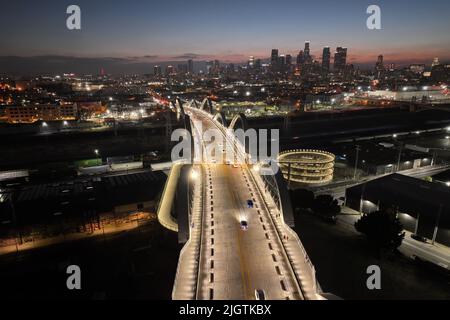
(151, 32)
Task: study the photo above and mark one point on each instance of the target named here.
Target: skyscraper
(170, 70)
(157, 70)
(307, 52)
(435, 62)
(251, 62)
(191, 66)
(326, 58)
(288, 59)
(379, 67)
(282, 63)
(300, 58)
(274, 59)
(340, 59)
(209, 67)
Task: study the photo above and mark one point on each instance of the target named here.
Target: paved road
(419, 173)
(234, 263)
(223, 262)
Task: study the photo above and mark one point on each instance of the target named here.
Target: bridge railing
(268, 183)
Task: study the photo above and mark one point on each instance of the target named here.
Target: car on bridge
(244, 225)
(250, 204)
(260, 295)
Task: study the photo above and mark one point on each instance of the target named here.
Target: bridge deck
(233, 263)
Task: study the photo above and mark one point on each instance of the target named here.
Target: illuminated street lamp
(65, 123)
(44, 124)
(97, 153)
(194, 175)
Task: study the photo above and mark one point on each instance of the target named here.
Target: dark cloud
(187, 56)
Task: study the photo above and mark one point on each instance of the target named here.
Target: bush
(382, 229)
(327, 207)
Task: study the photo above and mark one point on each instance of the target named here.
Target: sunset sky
(229, 30)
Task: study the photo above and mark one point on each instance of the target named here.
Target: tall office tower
(288, 60)
(258, 64)
(170, 70)
(300, 58)
(182, 68)
(216, 67)
(307, 53)
(157, 70)
(191, 66)
(435, 62)
(209, 67)
(307, 49)
(340, 59)
(326, 58)
(282, 62)
(251, 62)
(379, 66)
(274, 59)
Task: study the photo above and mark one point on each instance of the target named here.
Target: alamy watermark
(374, 20)
(229, 146)
(374, 280)
(74, 280)
(73, 21)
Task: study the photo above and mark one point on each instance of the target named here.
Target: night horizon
(175, 31)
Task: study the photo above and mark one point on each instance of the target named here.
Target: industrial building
(423, 207)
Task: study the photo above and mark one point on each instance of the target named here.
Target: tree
(327, 207)
(302, 199)
(382, 229)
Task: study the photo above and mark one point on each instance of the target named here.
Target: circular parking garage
(307, 166)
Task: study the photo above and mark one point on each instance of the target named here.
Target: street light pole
(358, 149)
(399, 157)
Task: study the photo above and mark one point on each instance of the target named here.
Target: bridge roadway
(233, 263)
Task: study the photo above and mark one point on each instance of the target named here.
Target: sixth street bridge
(234, 222)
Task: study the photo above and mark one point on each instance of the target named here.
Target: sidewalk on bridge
(437, 253)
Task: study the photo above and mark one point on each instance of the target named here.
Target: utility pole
(399, 157)
(358, 149)
(436, 228)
